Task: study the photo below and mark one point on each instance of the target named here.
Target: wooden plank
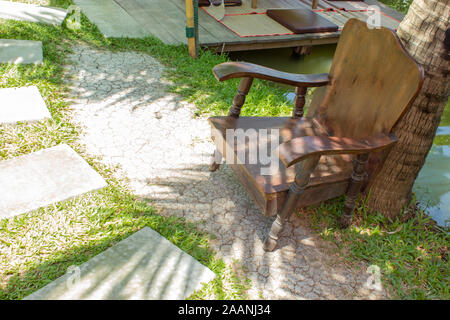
(223, 35)
(335, 17)
(307, 38)
(386, 20)
(385, 9)
(219, 33)
(255, 25)
(270, 44)
(111, 19)
(366, 62)
(165, 19)
(347, 5)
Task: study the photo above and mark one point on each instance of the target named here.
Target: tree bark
(422, 32)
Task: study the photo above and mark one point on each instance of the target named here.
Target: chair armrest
(298, 149)
(230, 70)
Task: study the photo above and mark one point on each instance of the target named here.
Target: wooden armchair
(371, 83)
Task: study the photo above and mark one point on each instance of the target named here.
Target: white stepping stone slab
(20, 51)
(30, 12)
(111, 19)
(145, 266)
(44, 177)
(22, 104)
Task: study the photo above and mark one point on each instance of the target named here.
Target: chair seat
(274, 183)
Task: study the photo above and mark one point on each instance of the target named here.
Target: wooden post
(254, 4)
(190, 29)
(314, 4)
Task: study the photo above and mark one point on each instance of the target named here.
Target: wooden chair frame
(305, 152)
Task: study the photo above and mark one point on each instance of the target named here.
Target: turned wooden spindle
(304, 170)
(239, 98)
(358, 175)
(235, 111)
(299, 102)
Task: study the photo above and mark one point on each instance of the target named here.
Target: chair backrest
(373, 82)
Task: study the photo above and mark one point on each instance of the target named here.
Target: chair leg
(299, 102)
(239, 98)
(216, 160)
(302, 177)
(358, 176)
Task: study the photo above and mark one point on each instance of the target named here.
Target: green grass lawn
(412, 256)
(38, 247)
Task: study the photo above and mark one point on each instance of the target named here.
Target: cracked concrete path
(129, 119)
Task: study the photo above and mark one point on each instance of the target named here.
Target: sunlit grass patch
(39, 246)
(193, 79)
(230, 284)
(412, 256)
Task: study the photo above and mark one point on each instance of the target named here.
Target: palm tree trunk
(422, 32)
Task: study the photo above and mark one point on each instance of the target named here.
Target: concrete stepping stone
(111, 19)
(22, 104)
(145, 266)
(20, 51)
(44, 177)
(30, 12)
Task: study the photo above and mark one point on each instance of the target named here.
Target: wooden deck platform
(165, 19)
